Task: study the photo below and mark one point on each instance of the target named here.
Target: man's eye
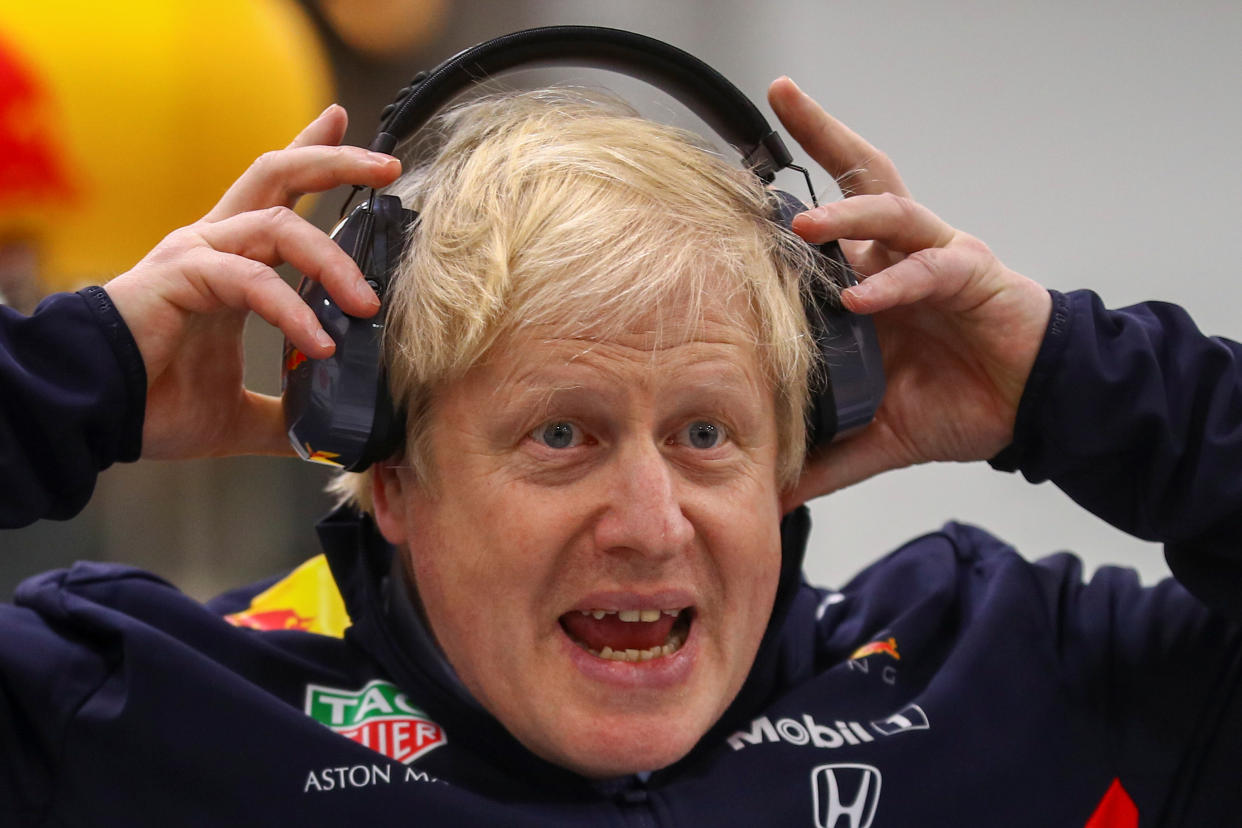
(702, 434)
(557, 435)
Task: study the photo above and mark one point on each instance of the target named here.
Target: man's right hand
(187, 301)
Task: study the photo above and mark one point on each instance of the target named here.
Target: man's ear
(389, 491)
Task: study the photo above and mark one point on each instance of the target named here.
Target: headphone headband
(691, 81)
(339, 411)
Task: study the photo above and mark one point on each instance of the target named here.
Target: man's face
(599, 553)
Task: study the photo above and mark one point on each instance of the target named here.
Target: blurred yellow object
(385, 28)
(122, 121)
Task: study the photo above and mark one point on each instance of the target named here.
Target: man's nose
(644, 512)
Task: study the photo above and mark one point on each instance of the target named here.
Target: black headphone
(339, 411)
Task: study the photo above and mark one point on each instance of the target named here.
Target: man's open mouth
(629, 635)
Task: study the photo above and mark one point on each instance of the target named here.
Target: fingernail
(367, 294)
(324, 340)
(859, 291)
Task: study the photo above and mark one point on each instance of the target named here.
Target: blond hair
(564, 209)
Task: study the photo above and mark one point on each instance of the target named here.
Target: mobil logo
(805, 730)
(910, 717)
(845, 795)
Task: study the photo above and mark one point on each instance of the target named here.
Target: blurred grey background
(1090, 144)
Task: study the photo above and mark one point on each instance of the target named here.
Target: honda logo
(845, 795)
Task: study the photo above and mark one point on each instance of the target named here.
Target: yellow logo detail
(305, 599)
(328, 458)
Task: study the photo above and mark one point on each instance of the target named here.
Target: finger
(245, 284)
(328, 128)
(858, 167)
(868, 258)
(897, 222)
(280, 178)
(279, 235)
(938, 275)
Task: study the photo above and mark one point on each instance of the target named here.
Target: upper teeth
(632, 614)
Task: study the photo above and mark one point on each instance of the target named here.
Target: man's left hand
(959, 331)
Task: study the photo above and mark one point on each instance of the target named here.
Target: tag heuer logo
(378, 716)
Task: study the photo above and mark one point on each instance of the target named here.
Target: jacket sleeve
(72, 397)
(45, 676)
(1137, 416)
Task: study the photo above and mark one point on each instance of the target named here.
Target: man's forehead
(720, 353)
(670, 322)
(656, 354)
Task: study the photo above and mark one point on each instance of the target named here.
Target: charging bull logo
(378, 716)
(277, 619)
(293, 359)
(887, 647)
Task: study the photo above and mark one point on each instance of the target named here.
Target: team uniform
(950, 683)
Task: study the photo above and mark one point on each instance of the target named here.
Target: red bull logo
(277, 619)
(293, 359)
(887, 646)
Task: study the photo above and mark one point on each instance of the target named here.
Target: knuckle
(345, 152)
(973, 245)
(179, 242)
(903, 208)
(928, 259)
(248, 270)
(279, 214)
(175, 242)
(256, 271)
(189, 236)
(188, 260)
(266, 163)
(880, 161)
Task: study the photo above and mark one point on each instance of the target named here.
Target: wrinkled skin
(631, 513)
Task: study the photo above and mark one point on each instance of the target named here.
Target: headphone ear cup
(848, 386)
(338, 410)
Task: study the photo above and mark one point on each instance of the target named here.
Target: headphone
(339, 411)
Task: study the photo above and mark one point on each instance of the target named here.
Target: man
(597, 476)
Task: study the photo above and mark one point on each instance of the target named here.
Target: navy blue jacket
(950, 683)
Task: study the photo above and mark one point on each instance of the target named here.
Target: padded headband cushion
(691, 81)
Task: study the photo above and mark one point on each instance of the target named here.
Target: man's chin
(604, 718)
(623, 757)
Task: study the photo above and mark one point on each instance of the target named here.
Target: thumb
(844, 463)
(260, 427)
